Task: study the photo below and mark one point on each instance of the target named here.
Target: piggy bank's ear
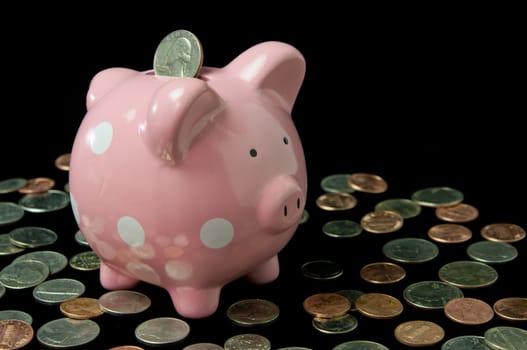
(104, 81)
(273, 66)
(179, 112)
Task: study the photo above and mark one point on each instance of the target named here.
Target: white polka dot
(178, 270)
(181, 240)
(73, 203)
(100, 137)
(216, 233)
(143, 272)
(146, 251)
(106, 250)
(131, 114)
(131, 231)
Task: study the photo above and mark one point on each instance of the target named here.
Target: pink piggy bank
(191, 183)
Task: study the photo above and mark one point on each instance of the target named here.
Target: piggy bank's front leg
(112, 279)
(265, 272)
(195, 302)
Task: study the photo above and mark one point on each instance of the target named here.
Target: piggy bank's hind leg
(194, 302)
(111, 279)
(265, 272)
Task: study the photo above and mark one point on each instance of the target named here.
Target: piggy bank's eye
(286, 140)
(253, 152)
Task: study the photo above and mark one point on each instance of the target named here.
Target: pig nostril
(298, 203)
(285, 210)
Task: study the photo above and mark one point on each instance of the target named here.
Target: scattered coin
(8, 248)
(382, 273)
(492, 252)
(32, 236)
(65, 333)
(431, 294)
(459, 213)
(326, 305)
(85, 261)
(56, 261)
(179, 54)
(79, 238)
(58, 290)
(503, 232)
(342, 228)
(465, 342)
(449, 233)
(62, 162)
(2, 290)
(16, 315)
(304, 217)
(511, 308)
(418, 333)
(124, 302)
(379, 305)
(469, 311)
(51, 200)
(203, 346)
(333, 201)
(336, 183)
(437, 196)
(162, 330)
(37, 185)
(410, 250)
(321, 269)
(352, 295)
(405, 207)
(360, 345)
(247, 341)
(15, 334)
(250, 312)
(23, 274)
(506, 338)
(130, 347)
(12, 185)
(370, 183)
(468, 274)
(337, 325)
(81, 308)
(10, 213)
(382, 221)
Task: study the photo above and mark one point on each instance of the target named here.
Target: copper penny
(512, 309)
(382, 273)
(81, 308)
(468, 311)
(503, 232)
(460, 212)
(378, 305)
(126, 347)
(381, 221)
(327, 305)
(449, 233)
(15, 334)
(37, 185)
(370, 183)
(419, 333)
(336, 201)
(63, 161)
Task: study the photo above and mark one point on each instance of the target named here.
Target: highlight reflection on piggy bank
(191, 183)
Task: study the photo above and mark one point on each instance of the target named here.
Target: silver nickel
(203, 346)
(179, 54)
(8, 248)
(56, 261)
(65, 333)
(12, 185)
(250, 312)
(124, 302)
(32, 236)
(10, 213)
(45, 202)
(247, 341)
(58, 290)
(24, 274)
(162, 330)
(16, 315)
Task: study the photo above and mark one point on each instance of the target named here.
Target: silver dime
(85, 261)
(10, 213)
(179, 54)
(45, 202)
(58, 290)
(121, 302)
(337, 325)
(56, 261)
(407, 208)
(23, 274)
(321, 269)
(16, 315)
(162, 330)
(65, 333)
(32, 236)
(342, 228)
(336, 183)
(247, 341)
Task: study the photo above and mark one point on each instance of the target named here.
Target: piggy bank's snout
(281, 203)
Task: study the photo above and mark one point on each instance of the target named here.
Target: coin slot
(298, 203)
(285, 210)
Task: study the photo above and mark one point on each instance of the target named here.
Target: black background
(421, 96)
